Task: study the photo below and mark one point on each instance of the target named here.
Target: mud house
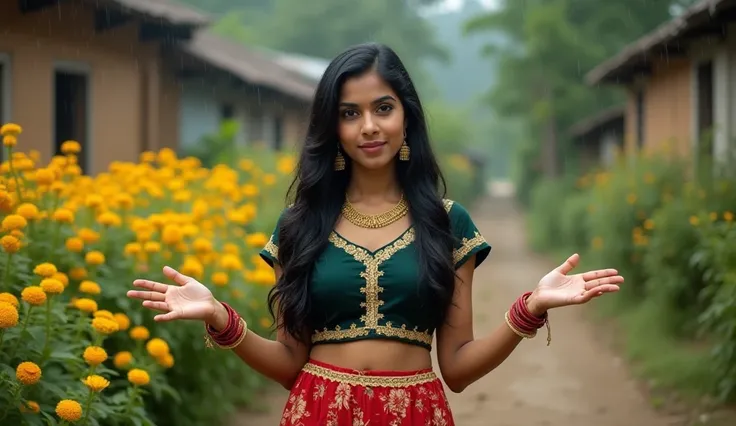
(123, 76)
(680, 81)
(598, 138)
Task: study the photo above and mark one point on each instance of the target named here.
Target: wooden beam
(29, 6)
(107, 19)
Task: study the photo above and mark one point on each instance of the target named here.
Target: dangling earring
(339, 161)
(404, 152)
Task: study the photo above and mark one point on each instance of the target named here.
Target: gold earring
(339, 161)
(404, 152)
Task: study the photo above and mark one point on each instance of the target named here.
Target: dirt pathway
(574, 382)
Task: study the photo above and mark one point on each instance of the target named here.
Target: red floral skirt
(326, 395)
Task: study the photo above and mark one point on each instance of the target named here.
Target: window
(227, 112)
(71, 109)
(640, 118)
(705, 109)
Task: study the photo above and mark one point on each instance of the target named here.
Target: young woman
(370, 261)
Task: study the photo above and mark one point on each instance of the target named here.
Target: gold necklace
(375, 220)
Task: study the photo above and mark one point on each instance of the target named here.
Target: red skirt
(326, 395)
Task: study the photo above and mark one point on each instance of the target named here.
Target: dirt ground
(576, 381)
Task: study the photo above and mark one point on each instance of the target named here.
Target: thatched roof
(167, 11)
(703, 18)
(596, 121)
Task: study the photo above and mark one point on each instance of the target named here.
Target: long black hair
(318, 193)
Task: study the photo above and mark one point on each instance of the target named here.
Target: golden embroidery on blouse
(372, 291)
(356, 379)
(448, 205)
(468, 245)
(272, 248)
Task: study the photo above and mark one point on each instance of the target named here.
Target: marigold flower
(10, 129)
(45, 269)
(166, 361)
(264, 277)
(122, 359)
(33, 295)
(94, 200)
(13, 222)
(74, 244)
(96, 383)
(152, 247)
(63, 215)
(122, 320)
(52, 286)
(9, 298)
(71, 147)
(8, 315)
(94, 355)
(109, 219)
(132, 248)
(89, 236)
(86, 305)
(78, 273)
(28, 373)
(157, 347)
(94, 258)
(139, 377)
(256, 239)
(30, 407)
(105, 326)
(45, 176)
(103, 313)
(10, 244)
(69, 410)
(28, 211)
(139, 333)
(89, 287)
(220, 279)
(61, 277)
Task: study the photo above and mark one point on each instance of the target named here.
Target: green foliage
(670, 232)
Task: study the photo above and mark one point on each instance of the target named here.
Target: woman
(370, 261)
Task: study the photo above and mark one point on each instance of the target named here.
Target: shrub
(71, 343)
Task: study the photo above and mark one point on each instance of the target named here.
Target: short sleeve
(468, 239)
(270, 252)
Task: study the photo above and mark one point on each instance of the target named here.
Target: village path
(576, 381)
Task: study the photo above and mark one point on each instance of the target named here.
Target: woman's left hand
(559, 288)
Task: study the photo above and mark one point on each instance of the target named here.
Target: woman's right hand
(190, 299)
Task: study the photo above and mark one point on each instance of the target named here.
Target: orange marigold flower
(69, 410)
(28, 373)
(33, 295)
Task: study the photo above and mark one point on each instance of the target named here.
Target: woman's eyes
(351, 113)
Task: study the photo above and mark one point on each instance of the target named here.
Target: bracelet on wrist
(523, 323)
(231, 335)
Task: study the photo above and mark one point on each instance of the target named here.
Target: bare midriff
(382, 355)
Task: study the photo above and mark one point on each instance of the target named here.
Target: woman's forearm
(272, 358)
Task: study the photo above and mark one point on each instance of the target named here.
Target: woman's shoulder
(455, 209)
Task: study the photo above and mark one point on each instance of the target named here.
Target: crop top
(359, 294)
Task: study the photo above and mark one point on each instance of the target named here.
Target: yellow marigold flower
(28, 211)
(202, 245)
(171, 234)
(10, 129)
(157, 347)
(86, 305)
(30, 407)
(122, 359)
(69, 410)
(28, 373)
(250, 190)
(264, 277)
(71, 147)
(122, 320)
(45, 269)
(89, 236)
(45, 176)
(10, 244)
(94, 355)
(74, 244)
(63, 215)
(8, 315)
(152, 247)
(10, 140)
(13, 222)
(728, 216)
(256, 239)
(230, 262)
(694, 220)
(109, 219)
(220, 279)
(96, 383)
(9, 298)
(89, 287)
(33, 295)
(94, 200)
(139, 333)
(102, 313)
(124, 200)
(77, 273)
(166, 361)
(139, 377)
(52, 286)
(94, 258)
(61, 277)
(105, 326)
(131, 249)
(192, 267)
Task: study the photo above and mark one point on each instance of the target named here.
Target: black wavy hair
(318, 193)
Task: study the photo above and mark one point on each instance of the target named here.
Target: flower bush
(73, 348)
(669, 231)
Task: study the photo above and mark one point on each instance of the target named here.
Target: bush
(71, 343)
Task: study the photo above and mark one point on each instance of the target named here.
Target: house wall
(132, 100)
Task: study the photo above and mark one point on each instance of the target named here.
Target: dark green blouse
(361, 294)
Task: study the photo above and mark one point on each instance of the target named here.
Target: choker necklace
(374, 221)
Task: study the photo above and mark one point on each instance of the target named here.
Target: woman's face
(371, 121)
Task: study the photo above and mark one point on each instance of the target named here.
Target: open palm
(559, 288)
(190, 299)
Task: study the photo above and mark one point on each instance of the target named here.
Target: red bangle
(231, 332)
(523, 322)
